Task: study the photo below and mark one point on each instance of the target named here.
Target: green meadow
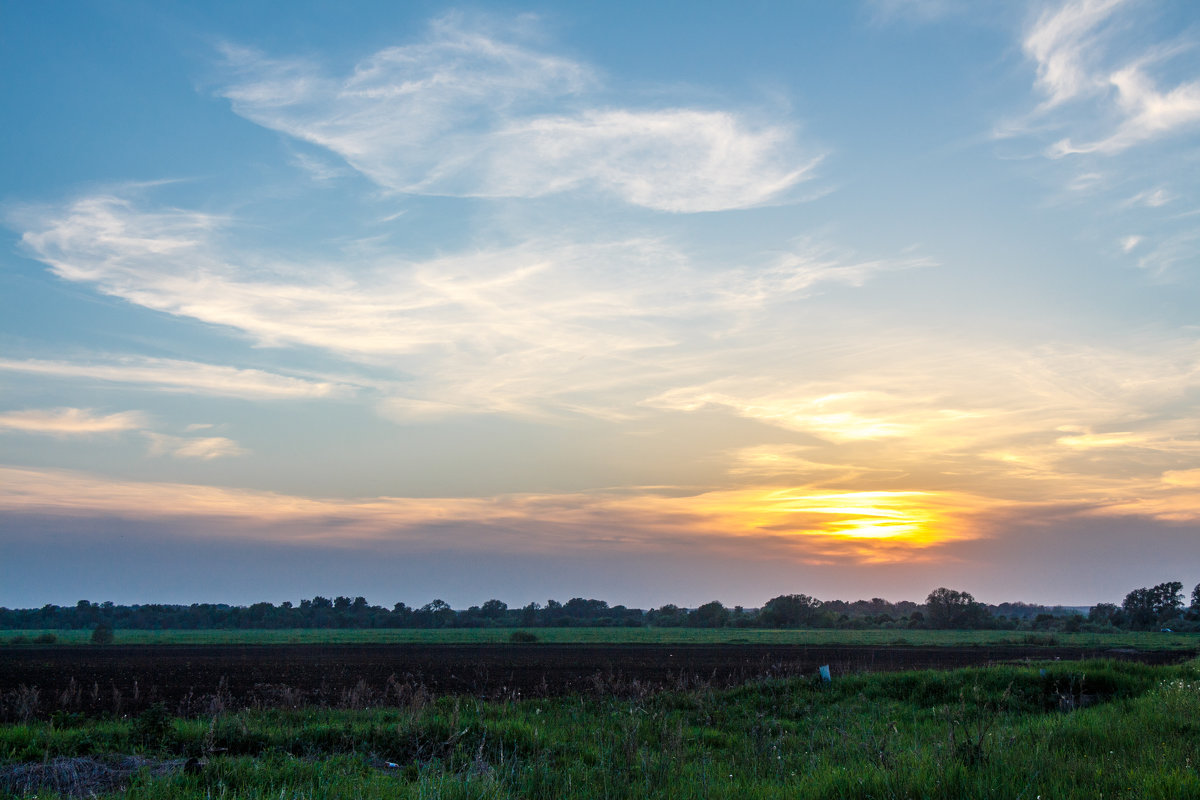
(1142, 640)
(1085, 730)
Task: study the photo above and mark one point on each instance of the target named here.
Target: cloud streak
(541, 325)
(467, 112)
(204, 448)
(1072, 47)
(65, 422)
(807, 525)
(188, 377)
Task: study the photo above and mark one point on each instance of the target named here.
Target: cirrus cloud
(70, 421)
(473, 113)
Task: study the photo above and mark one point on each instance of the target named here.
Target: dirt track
(200, 679)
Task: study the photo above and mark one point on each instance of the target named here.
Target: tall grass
(1078, 730)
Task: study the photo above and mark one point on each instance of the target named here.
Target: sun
(914, 519)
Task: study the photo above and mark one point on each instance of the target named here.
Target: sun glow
(903, 518)
(868, 515)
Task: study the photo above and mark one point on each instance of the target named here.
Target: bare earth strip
(37, 681)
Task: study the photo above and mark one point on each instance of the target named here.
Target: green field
(1143, 640)
(1001, 732)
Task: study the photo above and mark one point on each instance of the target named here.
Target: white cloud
(1118, 84)
(318, 169)
(181, 376)
(468, 112)
(1128, 243)
(1062, 42)
(1151, 198)
(544, 324)
(1077, 47)
(69, 421)
(1172, 250)
(204, 448)
(1087, 182)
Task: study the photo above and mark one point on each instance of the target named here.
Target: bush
(152, 726)
(45, 638)
(522, 637)
(103, 634)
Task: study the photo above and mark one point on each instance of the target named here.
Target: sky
(649, 303)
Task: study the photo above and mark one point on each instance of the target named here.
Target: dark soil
(36, 682)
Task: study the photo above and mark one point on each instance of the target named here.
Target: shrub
(151, 727)
(103, 634)
(522, 637)
(45, 638)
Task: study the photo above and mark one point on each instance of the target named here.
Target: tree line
(1152, 608)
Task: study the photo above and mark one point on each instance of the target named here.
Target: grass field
(1001, 732)
(1143, 640)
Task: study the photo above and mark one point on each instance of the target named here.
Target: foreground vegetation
(1080, 730)
(1141, 640)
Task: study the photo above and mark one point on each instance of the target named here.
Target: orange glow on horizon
(905, 518)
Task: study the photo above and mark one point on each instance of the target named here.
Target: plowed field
(191, 680)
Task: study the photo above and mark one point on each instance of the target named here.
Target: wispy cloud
(180, 376)
(318, 169)
(1172, 250)
(70, 421)
(204, 448)
(804, 524)
(473, 111)
(1062, 41)
(1073, 47)
(1151, 198)
(547, 324)
(1116, 97)
(635, 328)
(1086, 425)
(1129, 243)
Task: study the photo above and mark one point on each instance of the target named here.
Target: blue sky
(651, 304)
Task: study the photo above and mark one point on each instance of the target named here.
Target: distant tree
(436, 614)
(1103, 613)
(709, 615)
(950, 608)
(668, 616)
(790, 611)
(1168, 599)
(1043, 622)
(584, 609)
(1148, 607)
(1196, 597)
(552, 614)
(493, 609)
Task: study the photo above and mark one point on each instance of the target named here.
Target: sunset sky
(651, 303)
